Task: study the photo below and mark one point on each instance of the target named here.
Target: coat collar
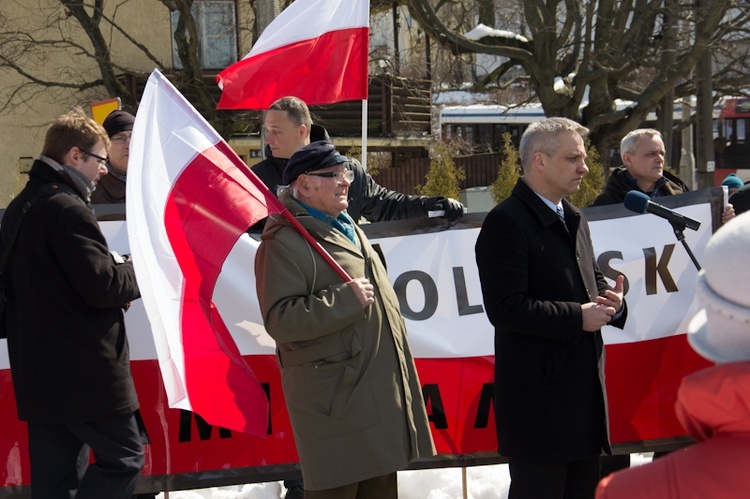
(546, 216)
(318, 228)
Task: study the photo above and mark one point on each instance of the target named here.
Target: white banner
(436, 278)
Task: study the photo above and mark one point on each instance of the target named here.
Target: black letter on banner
(431, 394)
(486, 400)
(430, 294)
(267, 388)
(653, 268)
(204, 429)
(462, 296)
(608, 271)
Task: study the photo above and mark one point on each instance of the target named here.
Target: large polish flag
(190, 197)
(316, 50)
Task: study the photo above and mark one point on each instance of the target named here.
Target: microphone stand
(680, 234)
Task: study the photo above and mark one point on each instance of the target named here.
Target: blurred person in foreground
(289, 126)
(713, 404)
(643, 156)
(68, 350)
(548, 300)
(111, 187)
(347, 371)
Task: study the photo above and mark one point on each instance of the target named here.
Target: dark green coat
(348, 375)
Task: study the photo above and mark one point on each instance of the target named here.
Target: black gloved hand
(452, 208)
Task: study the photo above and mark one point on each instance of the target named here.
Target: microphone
(640, 203)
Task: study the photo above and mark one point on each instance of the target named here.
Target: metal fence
(480, 170)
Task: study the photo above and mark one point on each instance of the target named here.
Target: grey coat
(348, 374)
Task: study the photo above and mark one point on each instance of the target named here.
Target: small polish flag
(316, 50)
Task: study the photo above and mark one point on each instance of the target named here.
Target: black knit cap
(118, 121)
(314, 156)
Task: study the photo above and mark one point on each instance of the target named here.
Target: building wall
(23, 124)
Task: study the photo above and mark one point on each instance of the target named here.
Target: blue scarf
(343, 223)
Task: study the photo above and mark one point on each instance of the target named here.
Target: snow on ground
(482, 482)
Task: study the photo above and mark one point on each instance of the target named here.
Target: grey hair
(628, 142)
(542, 136)
(296, 109)
(291, 189)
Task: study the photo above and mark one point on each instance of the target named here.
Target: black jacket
(536, 271)
(618, 186)
(741, 199)
(366, 198)
(66, 335)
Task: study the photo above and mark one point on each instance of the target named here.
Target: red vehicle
(732, 142)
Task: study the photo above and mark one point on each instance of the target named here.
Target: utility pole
(266, 11)
(687, 158)
(665, 120)
(704, 112)
(396, 30)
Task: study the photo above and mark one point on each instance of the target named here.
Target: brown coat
(109, 190)
(348, 375)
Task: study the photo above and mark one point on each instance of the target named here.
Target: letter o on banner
(430, 295)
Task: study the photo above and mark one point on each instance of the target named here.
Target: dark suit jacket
(550, 400)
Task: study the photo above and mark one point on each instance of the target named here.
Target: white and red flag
(316, 50)
(190, 198)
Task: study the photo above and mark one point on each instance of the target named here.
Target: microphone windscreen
(636, 201)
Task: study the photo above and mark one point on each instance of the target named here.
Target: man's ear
(304, 184)
(73, 156)
(537, 161)
(626, 159)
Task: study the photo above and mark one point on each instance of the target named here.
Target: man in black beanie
(111, 187)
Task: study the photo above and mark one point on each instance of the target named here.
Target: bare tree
(581, 56)
(49, 33)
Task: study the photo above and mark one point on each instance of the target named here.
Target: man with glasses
(347, 371)
(111, 187)
(67, 346)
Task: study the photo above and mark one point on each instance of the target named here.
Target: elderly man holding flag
(348, 374)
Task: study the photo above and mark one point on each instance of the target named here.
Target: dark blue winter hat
(314, 156)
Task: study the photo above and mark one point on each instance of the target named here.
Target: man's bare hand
(613, 297)
(596, 316)
(364, 290)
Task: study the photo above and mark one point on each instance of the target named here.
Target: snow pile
(482, 482)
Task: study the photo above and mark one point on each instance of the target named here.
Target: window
(217, 33)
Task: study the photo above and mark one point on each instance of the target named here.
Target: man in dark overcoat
(68, 351)
(548, 300)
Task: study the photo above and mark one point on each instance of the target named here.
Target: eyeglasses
(347, 175)
(102, 161)
(119, 139)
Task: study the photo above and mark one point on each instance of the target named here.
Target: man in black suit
(548, 301)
